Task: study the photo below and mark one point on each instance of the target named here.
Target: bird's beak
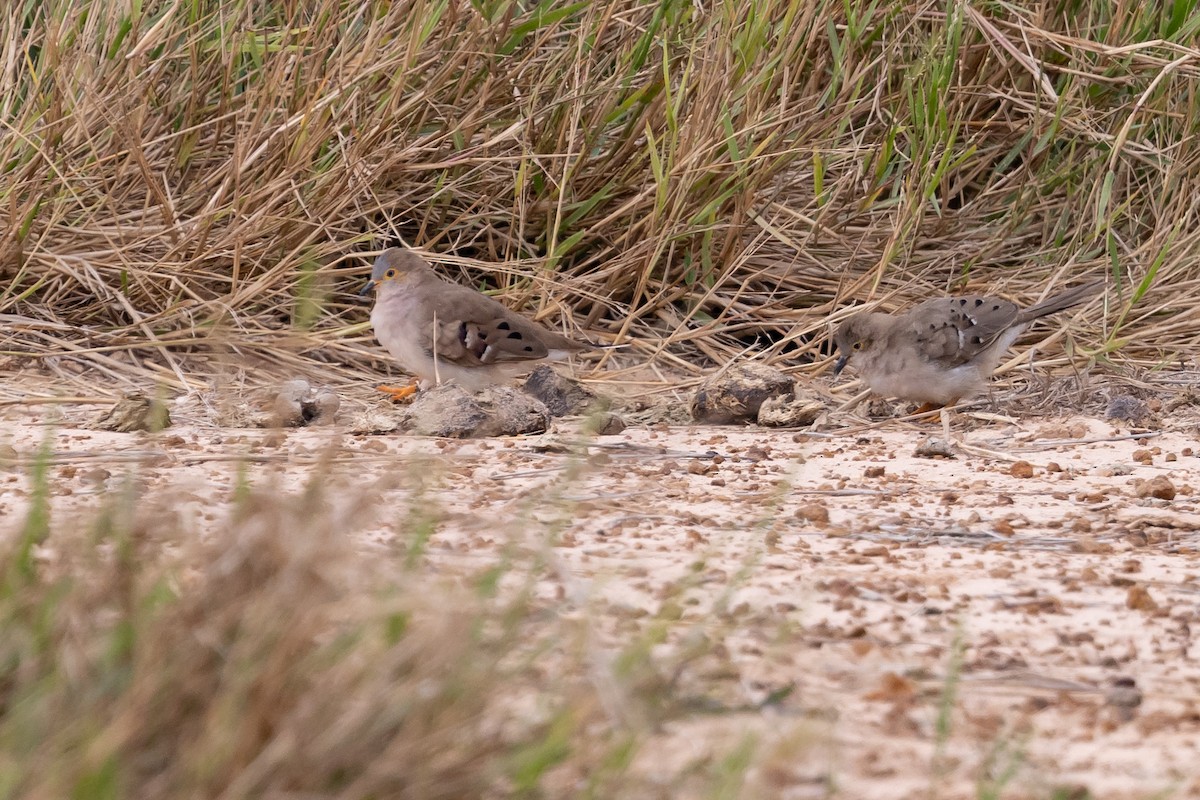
(367, 288)
(840, 365)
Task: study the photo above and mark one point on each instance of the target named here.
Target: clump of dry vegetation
(150, 652)
(185, 178)
(271, 658)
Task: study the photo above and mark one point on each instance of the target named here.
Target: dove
(943, 350)
(440, 331)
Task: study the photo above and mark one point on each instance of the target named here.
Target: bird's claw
(399, 394)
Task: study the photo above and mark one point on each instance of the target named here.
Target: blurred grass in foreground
(278, 655)
(272, 650)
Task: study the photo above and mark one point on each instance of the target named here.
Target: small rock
(452, 412)
(880, 408)
(934, 448)
(737, 394)
(1076, 429)
(1127, 408)
(1021, 469)
(298, 404)
(606, 424)
(815, 513)
(1087, 544)
(1138, 598)
(552, 444)
(95, 476)
(324, 406)
(372, 422)
(135, 412)
(561, 395)
(790, 410)
(1125, 697)
(874, 472)
(1158, 487)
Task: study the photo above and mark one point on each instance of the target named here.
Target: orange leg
(942, 416)
(925, 408)
(399, 394)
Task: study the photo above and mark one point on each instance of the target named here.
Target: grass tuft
(272, 653)
(183, 178)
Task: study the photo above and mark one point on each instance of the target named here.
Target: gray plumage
(942, 350)
(441, 331)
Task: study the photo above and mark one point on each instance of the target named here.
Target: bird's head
(395, 266)
(856, 334)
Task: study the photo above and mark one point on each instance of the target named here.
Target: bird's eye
(391, 273)
(858, 345)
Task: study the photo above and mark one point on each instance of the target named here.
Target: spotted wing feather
(505, 339)
(952, 331)
(475, 330)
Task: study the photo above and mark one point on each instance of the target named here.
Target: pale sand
(860, 612)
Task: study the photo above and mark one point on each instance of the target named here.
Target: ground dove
(944, 349)
(440, 331)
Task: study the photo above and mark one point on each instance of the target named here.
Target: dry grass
(274, 658)
(202, 178)
(268, 652)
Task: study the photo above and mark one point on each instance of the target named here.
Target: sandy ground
(1054, 597)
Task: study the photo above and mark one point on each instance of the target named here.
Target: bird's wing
(952, 331)
(475, 330)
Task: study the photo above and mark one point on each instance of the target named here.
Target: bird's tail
(1061, 302)
(566, 345)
